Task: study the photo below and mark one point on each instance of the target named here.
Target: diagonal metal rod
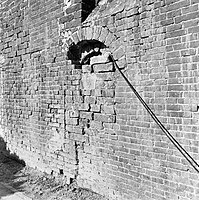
(171, 138)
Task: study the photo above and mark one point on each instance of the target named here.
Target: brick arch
(101, 34)
(94, 33)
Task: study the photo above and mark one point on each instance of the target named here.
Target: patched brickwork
(66, 110)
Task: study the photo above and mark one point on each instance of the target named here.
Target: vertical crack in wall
(77, 158)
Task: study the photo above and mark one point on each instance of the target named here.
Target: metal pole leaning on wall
(171, 138)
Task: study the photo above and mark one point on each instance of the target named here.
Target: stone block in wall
(90, 99)
(86, 68)
(74, 129)
(108, 109)
(96, 125)
(100, 59)
(103, 35)
(108, 93)
(72, 121)
(97, 92)
(86, 115)
(103, 67)
(105, 76)
(118, 53)
(104, 118)
(95, 108)
(84, 122)
(77, 137)
(88, 81)
(83, 106)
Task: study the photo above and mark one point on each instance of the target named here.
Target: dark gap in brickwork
(61, 171)
(87, 7)
(77, 159)
(81, 52)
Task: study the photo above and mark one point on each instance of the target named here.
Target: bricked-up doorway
(91, 109)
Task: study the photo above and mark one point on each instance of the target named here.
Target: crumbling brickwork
(66, 110)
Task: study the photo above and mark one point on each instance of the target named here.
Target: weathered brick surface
(35, 86)
(84, 121)
(159, 39)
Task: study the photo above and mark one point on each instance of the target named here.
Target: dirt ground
(40, 186)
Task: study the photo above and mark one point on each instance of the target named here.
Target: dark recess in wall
(87, 7)
(81, 52)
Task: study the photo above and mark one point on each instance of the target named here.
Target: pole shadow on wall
(10, 165)
(81, 52)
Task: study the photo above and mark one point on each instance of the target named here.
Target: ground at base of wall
(40, 186)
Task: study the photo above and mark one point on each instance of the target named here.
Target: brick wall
(35, 78)
(83, 121)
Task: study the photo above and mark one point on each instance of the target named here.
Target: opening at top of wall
(87, 7)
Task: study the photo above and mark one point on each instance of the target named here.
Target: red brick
(87, 115)
(104, 118)
(193, 29)
(175, 34)
(103, 67)
(186, 17)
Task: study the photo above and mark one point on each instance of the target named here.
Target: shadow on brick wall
(10, 167)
